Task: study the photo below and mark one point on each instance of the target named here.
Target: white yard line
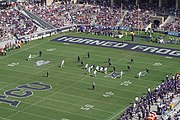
(60, 89)
(93, 55)
(98, 85)
(79, 70)
(89, 99)
(45, 98)
(116, 114)
(2, 118)
(18, 111)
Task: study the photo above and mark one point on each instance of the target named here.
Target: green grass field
(71, 97)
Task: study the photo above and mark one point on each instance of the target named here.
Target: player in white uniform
(95, 73)
(121, 74)
(105, 70)
(29, 58)
(89, 70)
(62, 63)
(86, 66)
(92, 66)
(97, 68)
(139, 75)
(101, 69)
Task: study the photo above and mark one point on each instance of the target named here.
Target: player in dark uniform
(88, 55)
(82, 63)
(109, 60)
(129, 68)
(109, 64)
(147, 70)
(114, 69)
(132, 61)
(78, 59)
(40, 53)
(47, 74)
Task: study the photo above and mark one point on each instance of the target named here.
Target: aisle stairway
(38, 20)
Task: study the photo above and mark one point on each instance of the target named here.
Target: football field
(26, 93)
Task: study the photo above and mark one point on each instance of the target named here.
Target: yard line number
(108, 94)
(126, 83)
(13, 64)
(64, 119)
(87, 107)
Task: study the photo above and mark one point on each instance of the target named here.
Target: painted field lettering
(64, 119)
(13, 64)
(3, 99)
(119, 45)
(51, 49)
(126, 83)
(157, 64)
(86, 107)
(108, 94)
(22, 91)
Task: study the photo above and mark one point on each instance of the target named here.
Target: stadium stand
(172, 26)
(163, 97)
(131, 19)
(15, 23)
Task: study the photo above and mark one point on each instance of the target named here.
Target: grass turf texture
(71, 87)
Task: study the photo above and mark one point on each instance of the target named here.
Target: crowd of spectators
(3, 33)
(14, 22)
(55, 14)
(60, 15)
(94, 30)
(141, 15)
(97, 14)
(172, 26)
(161, 95)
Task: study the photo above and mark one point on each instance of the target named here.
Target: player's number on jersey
(86, 107)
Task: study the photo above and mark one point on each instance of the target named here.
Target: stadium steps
(40, 27)
(38, 20)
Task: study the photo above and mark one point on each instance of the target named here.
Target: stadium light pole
(138, 18)
(121, 10)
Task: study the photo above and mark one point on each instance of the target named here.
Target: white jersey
(91, 67)
(95, 73)
(97, 68)
(101, 69)
(121, 73)
(62, 63)
(139, 74)
(86, 66)
(89, 70)
(105, 70)
(30, 56)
